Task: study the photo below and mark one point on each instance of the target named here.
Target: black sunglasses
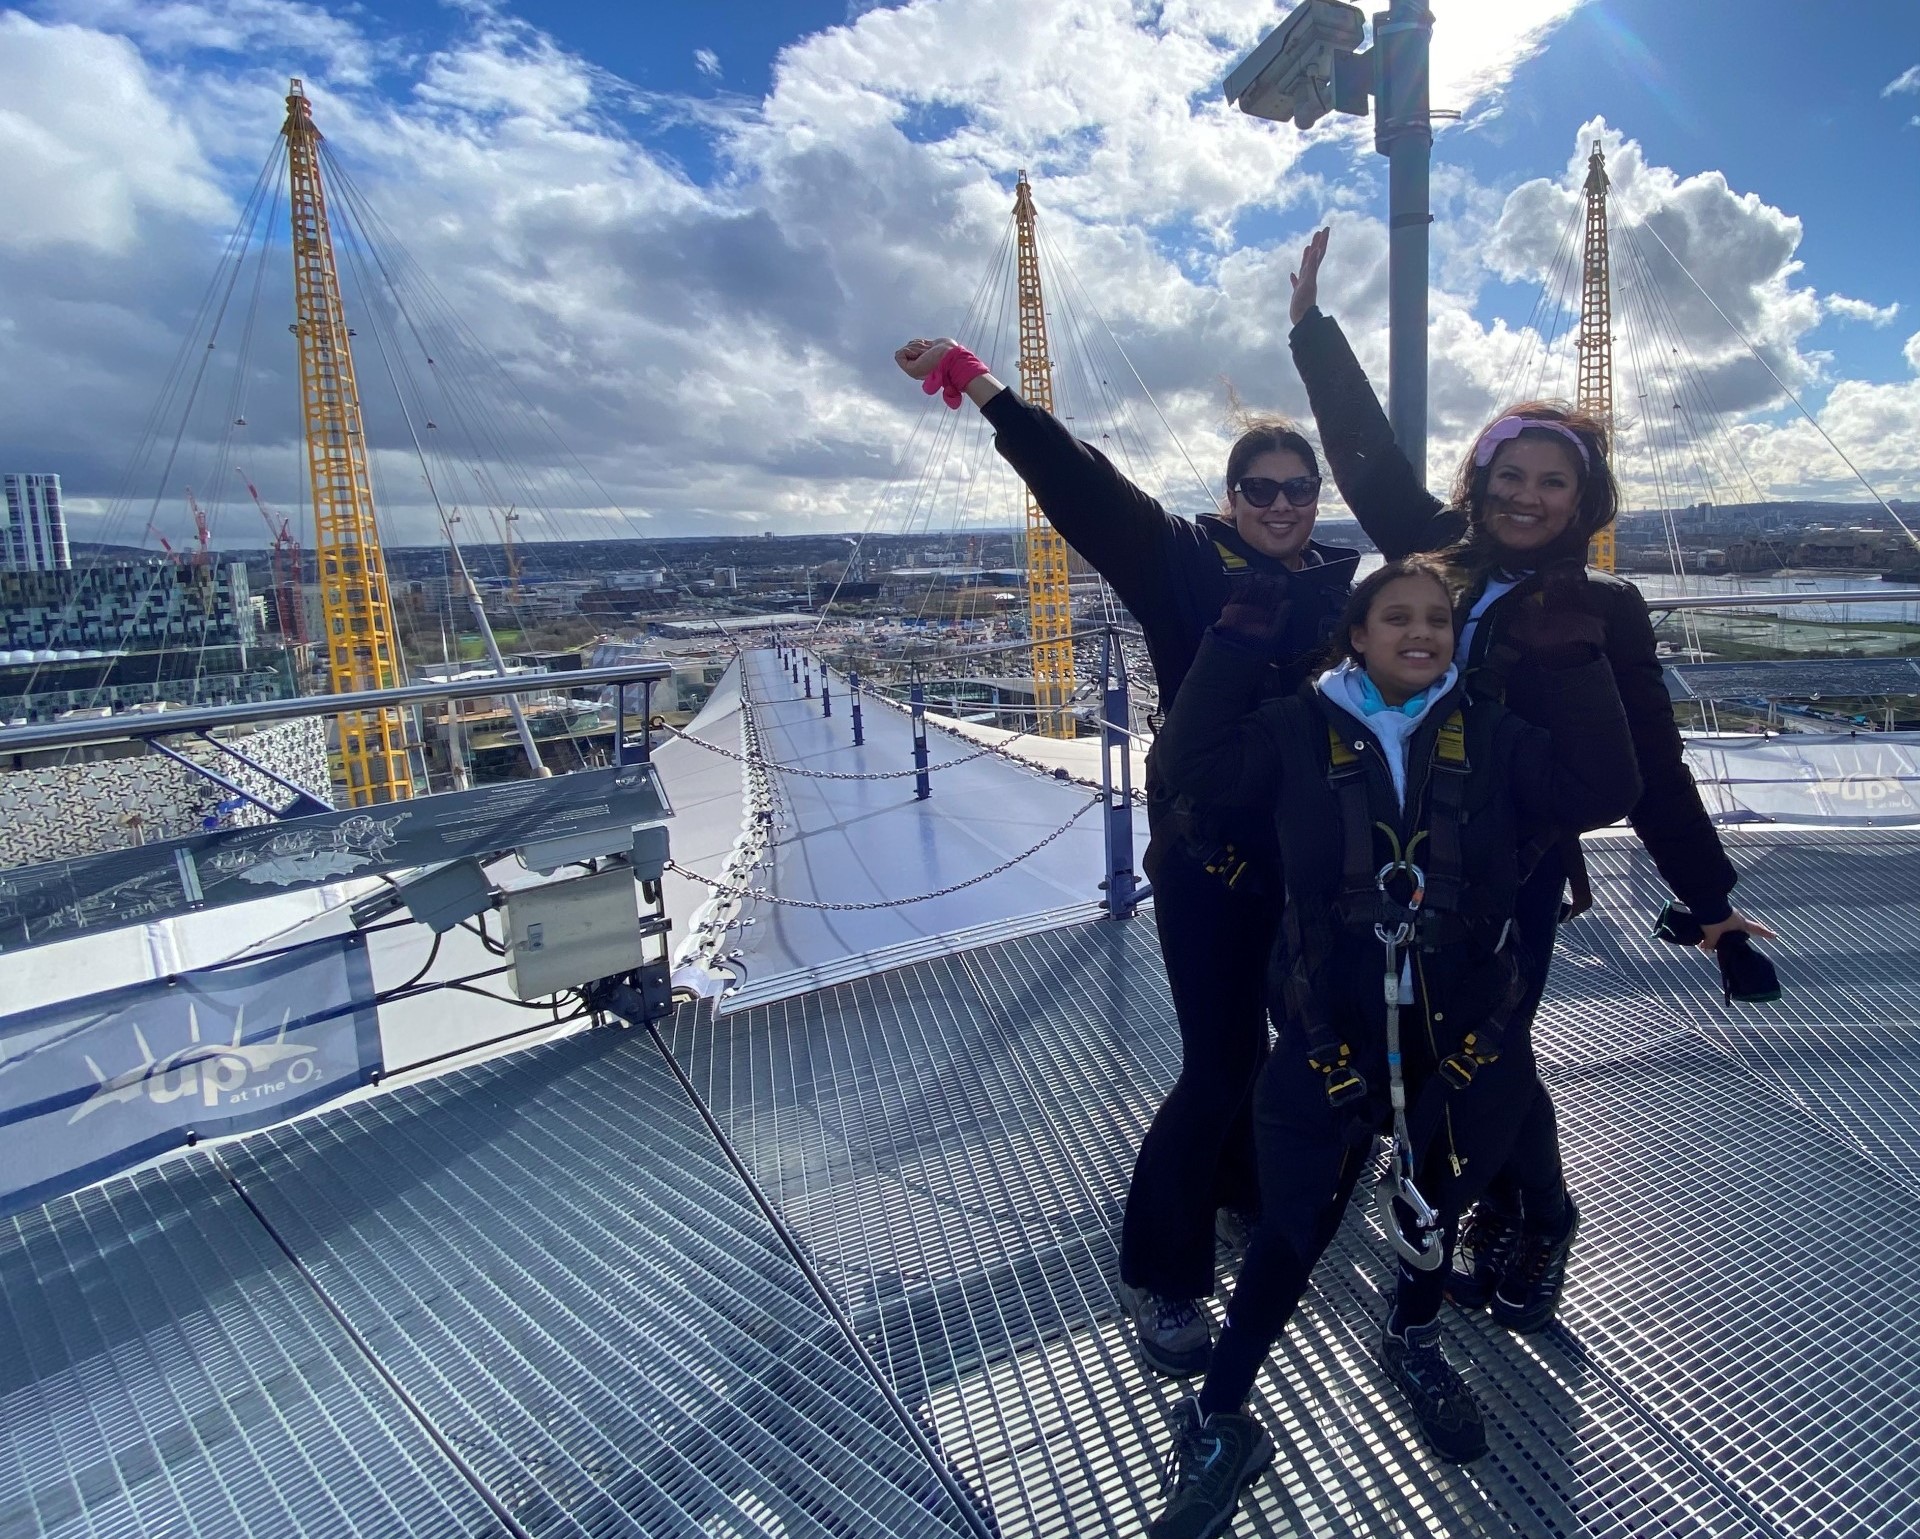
(1261, 492)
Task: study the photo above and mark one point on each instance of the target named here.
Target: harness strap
(1446, 811)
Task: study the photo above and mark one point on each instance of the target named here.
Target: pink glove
(956, 370)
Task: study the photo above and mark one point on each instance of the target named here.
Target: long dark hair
(1365, 591)
(1599, 492)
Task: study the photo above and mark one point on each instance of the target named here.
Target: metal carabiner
(1414, 874)
(1399, 1187)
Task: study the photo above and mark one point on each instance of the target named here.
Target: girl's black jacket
(1401, 516)
(1574, 772)
(1172, 574)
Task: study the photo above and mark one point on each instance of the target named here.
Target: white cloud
(292, 35)
(89, 144)
(707, 62)
(1861, 310)
(1909, 81)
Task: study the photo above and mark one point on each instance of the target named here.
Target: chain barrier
(765, 896)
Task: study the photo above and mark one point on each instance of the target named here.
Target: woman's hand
(1306, 282)
(1257, 608)
(1710, 933)
(920, 357)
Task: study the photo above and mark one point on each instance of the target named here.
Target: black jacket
(1401, 516)
(1171, 573)
(1576, 770)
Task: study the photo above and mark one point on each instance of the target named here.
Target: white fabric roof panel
(1871, 779)
(843, 855)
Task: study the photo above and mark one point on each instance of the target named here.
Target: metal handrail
(129, 727)
(1769, 600)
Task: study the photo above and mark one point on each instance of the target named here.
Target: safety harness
(1410, 905)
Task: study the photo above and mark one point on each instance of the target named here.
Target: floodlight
(1289, 77)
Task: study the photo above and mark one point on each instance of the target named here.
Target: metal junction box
(568, 933)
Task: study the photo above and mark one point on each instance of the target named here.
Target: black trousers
(1198, 1153)
(1310, 1160)
(1533, 1173)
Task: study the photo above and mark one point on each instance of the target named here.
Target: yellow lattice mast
(1049, 605)
(1596, 330)
(362, 648)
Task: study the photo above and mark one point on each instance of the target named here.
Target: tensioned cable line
(210, 315)
(1787, 391)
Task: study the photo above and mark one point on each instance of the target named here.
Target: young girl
(1534, 489)
(1405, 809)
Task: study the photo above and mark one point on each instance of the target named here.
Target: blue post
(859, 731)
(809, 683)
(922, 788)
(1116, 783)
(826, 694)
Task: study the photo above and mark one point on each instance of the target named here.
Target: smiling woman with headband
(1534, 489)
(1216, 882)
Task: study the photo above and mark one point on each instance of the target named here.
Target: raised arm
(1220, 744)
(1383, 491)
(1098, 511)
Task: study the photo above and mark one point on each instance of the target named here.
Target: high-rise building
(34, 535)
(128, 606)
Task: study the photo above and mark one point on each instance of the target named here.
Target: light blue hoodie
(1348, 687)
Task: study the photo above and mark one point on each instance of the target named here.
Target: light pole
(1310, 65)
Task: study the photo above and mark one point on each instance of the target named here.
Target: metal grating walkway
(538, 1297)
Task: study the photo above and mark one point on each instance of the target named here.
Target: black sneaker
(1530, 1292)
(1176, 1340)
(1213, 1460)
(1448, 1414)
(1489, 1239)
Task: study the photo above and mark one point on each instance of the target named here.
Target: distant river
(1692, 586)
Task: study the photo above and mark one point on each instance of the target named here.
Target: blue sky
(690, 235)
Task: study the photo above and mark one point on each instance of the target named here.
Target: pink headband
(1509, 428)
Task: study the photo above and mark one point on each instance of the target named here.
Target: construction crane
(507, 520)
(1049, 604)
(1596, 331)
(289, 614)
(361, 640)
(202, 556)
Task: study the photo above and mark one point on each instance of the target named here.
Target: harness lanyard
(1399, 1188)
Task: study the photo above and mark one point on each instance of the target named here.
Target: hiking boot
(1448, 1414)
(1232, 1233)
(1176, 1340)
(1213, 1460)
(1489, 1238)
(1530, 1292)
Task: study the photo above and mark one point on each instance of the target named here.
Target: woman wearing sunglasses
(1533, 491)
(1215, 874)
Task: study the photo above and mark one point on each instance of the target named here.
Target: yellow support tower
(362, 649)
(1049, 605)
(1596, 331)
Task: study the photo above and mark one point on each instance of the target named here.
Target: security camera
(1289, 77)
